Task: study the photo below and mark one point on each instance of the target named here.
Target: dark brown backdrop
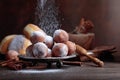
(14, 15)
(105, 14)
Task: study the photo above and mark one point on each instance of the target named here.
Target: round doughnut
(49, 41)
(60, 50)
(49, 54)
(37, 36)
(71, 47)
(12, 54)
(29, 51)
(5, 43)
(30, 28)
(40, 50)
(60, 36)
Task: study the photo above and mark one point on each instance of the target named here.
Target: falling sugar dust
(47, 16)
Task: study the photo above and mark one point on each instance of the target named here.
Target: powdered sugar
(60, 50)
(40, 71)
(40, 49)
(57, 32)
(49, 41)
(29, 30)
(17, 43)
(64, 50)
(49, 51)
(90, 53)
(38, 33)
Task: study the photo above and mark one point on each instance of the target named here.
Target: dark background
(105, 14)
(14, 15)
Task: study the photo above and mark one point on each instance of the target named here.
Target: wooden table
(88, 71)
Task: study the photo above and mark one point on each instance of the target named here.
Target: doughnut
(37, 36)
(5, 42)
(30, 28)
(19, 44)
(49, 54)
(71, 47)
(49, 41)
(12, 54)
(29, 51)
(40, 50)
(60, 50)
(60, 36)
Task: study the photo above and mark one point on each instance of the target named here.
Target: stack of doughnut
(63, 46)
(44, 45)
(36, 43)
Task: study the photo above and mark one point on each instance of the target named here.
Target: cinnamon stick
(15, 66)
(77, 63)
(4, 63)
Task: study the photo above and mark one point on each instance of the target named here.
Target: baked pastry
(19, 43)
(12, 54)
(5, 43)
(37, 36)
(60, 36)
(71, 47)
(59, 50)
(49, 54)
(49, 41)
(29, 51)
(30, 28)
(40, 50)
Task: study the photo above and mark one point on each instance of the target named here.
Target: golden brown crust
(60, 36)
(5, 42)
(71, 47)
(29, 29)
(25, 45)
(19, 44)
(34, 27)
(60, 50)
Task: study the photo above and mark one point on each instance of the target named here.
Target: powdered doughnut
(49, 41)
(37, 36)
(30, 28)
(5, 43)
(60, 36)
(71, 47)
(49, 53)
(29, 51)
(19, 44)
(40, 50)
(12, 54)
(60, 50)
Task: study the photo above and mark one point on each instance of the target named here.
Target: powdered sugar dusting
(17, 43)
(38, 33)
(49, 51)
(49, 39)
(29, 30)
(90, 53)
(41, 44)
(40, 49)
(64, 50)
(40, 71)
(56, 33)
(47, 16)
